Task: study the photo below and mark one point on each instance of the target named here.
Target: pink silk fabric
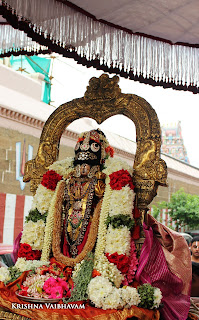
(165, 262)
(16, 247)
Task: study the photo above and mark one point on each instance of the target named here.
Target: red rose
(110, 151)
(23, 291)
(25, 251)
(37, 254)
(123, 267)
(25, 247)
(120, 260)
(30, 256)
(50, 179)
(112, 257)
(120, 179)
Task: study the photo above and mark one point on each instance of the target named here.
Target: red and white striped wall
(13, 210)
(166, 219)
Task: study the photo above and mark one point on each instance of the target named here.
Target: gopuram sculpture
(88, 236)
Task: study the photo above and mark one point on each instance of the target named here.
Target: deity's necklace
(77, 191)
(77, 209)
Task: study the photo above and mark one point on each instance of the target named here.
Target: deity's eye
(95, 147)
(77, 146)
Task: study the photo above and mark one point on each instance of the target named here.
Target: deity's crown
(99, 137)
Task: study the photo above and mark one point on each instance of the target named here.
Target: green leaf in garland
(35, 215)
(14, 274)
(82, 280)
(120, 220)
(146, 292)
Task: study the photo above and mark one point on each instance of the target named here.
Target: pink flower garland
(133, 265)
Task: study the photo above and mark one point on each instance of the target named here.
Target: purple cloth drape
(153, 269)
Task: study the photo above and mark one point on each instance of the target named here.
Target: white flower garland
(38, 234)
(33, 234)
(4, 274)
(116, 164)
(111, 240)
(42, 199)
(118, 240)
(109, 270)
(121, 201)
(157, 297)
(63, 167)
(24, 265)
(102, 229)
(104, 295)
(49, 227)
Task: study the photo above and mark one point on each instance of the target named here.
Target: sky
(70, 82)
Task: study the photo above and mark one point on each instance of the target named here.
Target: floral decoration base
(36, 300)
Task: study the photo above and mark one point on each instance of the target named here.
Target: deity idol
(82, 192)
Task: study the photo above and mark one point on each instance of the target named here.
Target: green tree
(183, 208)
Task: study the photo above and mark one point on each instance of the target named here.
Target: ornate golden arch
(103, 99)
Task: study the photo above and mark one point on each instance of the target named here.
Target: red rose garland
(25, 251)
(120, 179)
(50, 179)
(120, 260)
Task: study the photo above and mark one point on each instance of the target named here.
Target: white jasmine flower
(118, 240)
(99, 288)
(122, 202)
(4, 274)
(24, 265)
(33, 234)
(115, 164)
(62, 166)
(113, 300)
(42, 199)
(157, 297)
(130, 296)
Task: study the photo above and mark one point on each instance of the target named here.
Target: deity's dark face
(88, 149)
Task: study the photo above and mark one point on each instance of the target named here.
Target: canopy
(154, 41)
